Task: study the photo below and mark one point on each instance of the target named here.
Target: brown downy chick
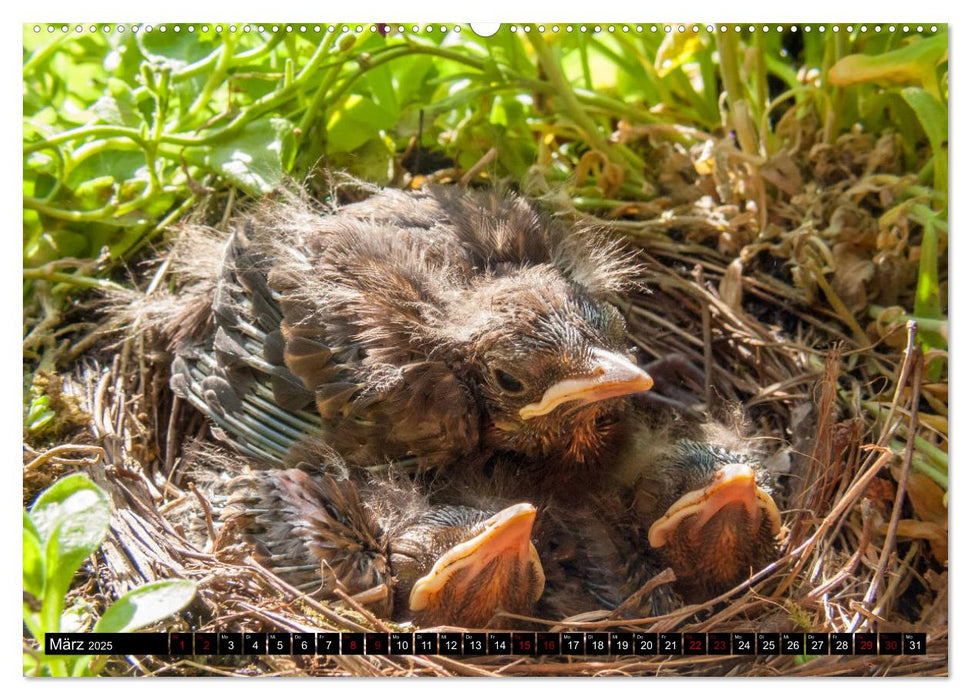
(456, 566)
(388, 547)
(704, 505)
(424, 328)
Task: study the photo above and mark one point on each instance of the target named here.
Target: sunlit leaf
(931, 113)
(119, 106)
(357, 121)
(33, 559)
(146, 604)
(907, 65)
(71, 517)
(253, 160)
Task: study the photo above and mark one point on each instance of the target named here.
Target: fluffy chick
(388, 547)
(701, 496)
(424, 329)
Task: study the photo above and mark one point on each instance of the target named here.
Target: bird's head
(709, 515)
(551, 363)
(473, 565)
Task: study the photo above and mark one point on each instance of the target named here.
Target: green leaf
(38, 406)
(927, 299)
(254, 160)
(146, 604)
(118, 107)
(914, 63)
(118, 165)
(356, 122)
(95, 193)
(374, 161)
(60, 243)
(931, 113)
(176, 50)
(413, 77)
(73, 499)
(31, 665)
(33, 559)
(72, 519)
(382, 89)
(38, 421)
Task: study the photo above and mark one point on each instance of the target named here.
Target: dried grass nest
(865, 535)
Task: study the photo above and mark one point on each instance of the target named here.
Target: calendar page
(462, 349)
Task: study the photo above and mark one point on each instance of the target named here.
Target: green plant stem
(664, 93)
(58, 667)
(215, 79)
(932, 452)
(609, 106)
(132, 244)
(553, 73)
(573, 107)
(765, 127)
(313, 110)
(939, 326)
(36, 629)
(67, 215)
(761, 78)
(109, 130)
(836, 46)
(840, 308)
(41, 273)
(42, 54)
(920, 466)
(204, 65)
(585, 62)
(728, 63)
(94, 215)
(740, 119)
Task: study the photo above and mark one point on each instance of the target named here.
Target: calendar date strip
(486, 643)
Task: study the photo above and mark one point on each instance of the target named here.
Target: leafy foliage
(65, 525)
(124, 132)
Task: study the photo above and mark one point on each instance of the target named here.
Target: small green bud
(346, 42)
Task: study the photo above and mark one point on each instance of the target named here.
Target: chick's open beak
(480, 569)
(612, 375)
(733, 484)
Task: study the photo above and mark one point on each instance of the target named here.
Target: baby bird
(680, 493)
(703, 503)
(386, 546)
(423, 329)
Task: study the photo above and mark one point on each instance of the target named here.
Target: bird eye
(507, 382)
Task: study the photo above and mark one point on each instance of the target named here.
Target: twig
(706, 337)
(916, 361)
(206, 508)
(847, 570)
(835, 514)
(54, 451)
(489, 156)
(665, 577)
(331, 616)
(361, 610)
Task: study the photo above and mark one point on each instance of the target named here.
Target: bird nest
(742, 291)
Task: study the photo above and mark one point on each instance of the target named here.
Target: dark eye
(507, 382)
